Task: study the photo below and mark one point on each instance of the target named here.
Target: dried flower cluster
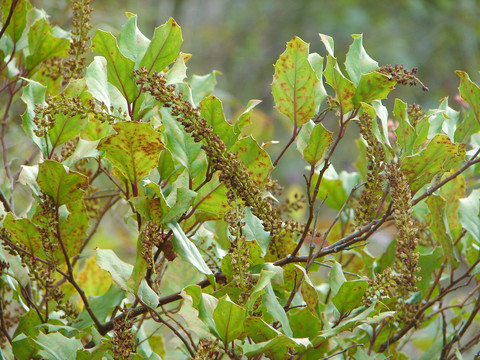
(207, 349)
(123, 342)
(401, 75)
(415, 113)
(371, 197)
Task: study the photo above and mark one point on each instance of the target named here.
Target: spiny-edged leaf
(74, 228)
(33, 94)
(276, 348)
(164, 47)
(316, 61)
(372, 86)
(42, 44)
(203, 85)
(67, 126)
(63, 186)
(212, 110)
(56, 346)
(212, 200)
(187, 249)
(102, 307)
(276, 310)
(96, 79)
(18, 20)
(468, 214)
(312, 141)
(439, 225)
(244, 118)
(119, 68)
(134, 150)
(405, 131)
(470, 92)
(350, 295)
(229, 318)
(182, 146)
(205, 304)
(328, 43)
(178, 71)
(357, 61)
(308, 291)
(256, 160)
(25, 232)
(344, 88)
(294, 82)
(439, 156)
(131, 42)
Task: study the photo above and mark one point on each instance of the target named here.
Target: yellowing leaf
(134, 150)
(293, 85)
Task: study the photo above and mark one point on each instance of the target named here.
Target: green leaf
(119, 68)
(439, 156)
(312, 142)
(468, 214)
(33, 94)
(276, 348)
(25, 232)
(357, 61)
(275, 309)
(203, 85)
(164, 47)
(187, 249)
(258, 330)
(178, 71)
(62, 185)
(18, 21)
(254, 230)
(73, 229)
(55, 346)
(439, 226)
(23, 346)
(336, 278)
(344, 88)
(131, 42)
(229, 318)
(181, 199)
(42, 44)
(212, 111)
(316, 61)
(120, 270)
(134, 150)
(405, 131)
(304, 324)
(328, 43)
(96, 79)
(182, 146)
(244, 119)
(372, 86)
(256, 160)
(212, 200)
(67, 126)
(470, 92)
(205, 304)
(85, 149)
(294, 83)
(308, 291)
(349, 295)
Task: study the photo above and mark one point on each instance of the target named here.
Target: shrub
(226, 266)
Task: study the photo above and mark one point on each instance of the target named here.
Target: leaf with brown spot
(372, 86)
(312, 141)
(439, 156)
(470, 123)
(63, 186)
(349, 295)
(256, 160)
(405, 131)
(344, 88)
(294, 83)
(134, 150)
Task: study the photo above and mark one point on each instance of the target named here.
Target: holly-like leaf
(357, 61)
(439, 226)
(312, 141)
(134, 150)
(131, 42)
(178, 71)
(119, 67)
(470, 92)
(212, 111)
(229, 319)
(73, 228)
(56, 346)
(203, 85)
(294, 83)
(350, 295)
(43, 44)
(405, 131)
(256, 160)
(25, 232)
(205, 304)
(372, 86)
(276, 348)
(439, 156)
(187, 249)
(468, 214)
(63, 186)
(18, 20)
(344, 88)
(164, 47)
